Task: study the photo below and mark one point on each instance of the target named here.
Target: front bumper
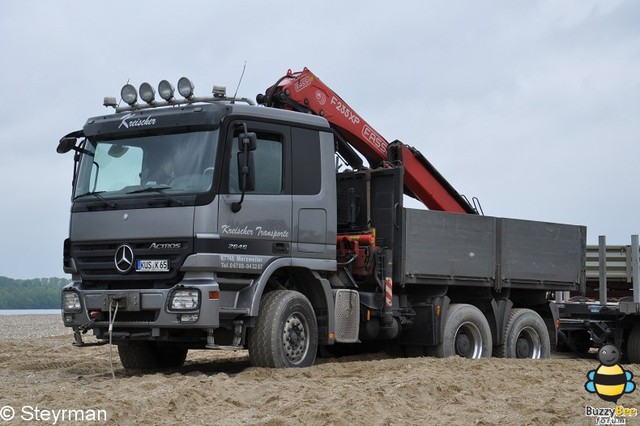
(144, 310)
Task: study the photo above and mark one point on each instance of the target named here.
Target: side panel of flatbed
(541, 254)
(442, 247)
(456, 249)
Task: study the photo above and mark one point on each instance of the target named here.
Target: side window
(268, 165)
(307, 171)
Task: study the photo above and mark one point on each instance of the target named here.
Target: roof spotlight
(110, 101)
(129, 94)
(219, 91)
(166, 90)
(185, 88)
(147, 93)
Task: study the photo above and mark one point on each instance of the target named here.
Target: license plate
(152, 266)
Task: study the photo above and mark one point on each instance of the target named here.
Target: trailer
(607, 309)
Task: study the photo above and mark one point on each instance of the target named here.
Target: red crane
(303, 91)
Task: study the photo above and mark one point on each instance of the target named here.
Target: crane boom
(303, 91)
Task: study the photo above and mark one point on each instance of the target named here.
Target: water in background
(30, 311)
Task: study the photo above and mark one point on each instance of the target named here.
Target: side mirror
(247, 143)
(246, 172)
(66, 144)
(248, 140)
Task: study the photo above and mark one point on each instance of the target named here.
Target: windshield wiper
(159, 190)
(98, 196)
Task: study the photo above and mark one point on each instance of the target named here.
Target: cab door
(262, 228)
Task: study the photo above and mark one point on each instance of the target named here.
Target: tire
(148, 356)
(633, 345)
(286, 332)
(466, 333)
(414, 351)
(561, 345)
(578, 341)
(554, 334)
(525, 336)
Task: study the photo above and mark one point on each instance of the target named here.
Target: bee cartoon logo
(609, 381)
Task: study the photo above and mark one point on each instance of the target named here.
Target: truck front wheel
(286, 332)
(466, 333)
(525, 336)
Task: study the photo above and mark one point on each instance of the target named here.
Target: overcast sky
(531, 106)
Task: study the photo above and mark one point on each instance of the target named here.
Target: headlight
(185, 88)
(165, 89)
(188, 317)
(185, 300)
(71, 301)
(147, 93)
(129, 94)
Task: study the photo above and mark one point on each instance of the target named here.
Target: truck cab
(163, 230)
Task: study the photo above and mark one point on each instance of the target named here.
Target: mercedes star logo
(123, 258)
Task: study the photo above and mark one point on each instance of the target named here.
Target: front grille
(128, 317)
(141, 316)
(95, 262)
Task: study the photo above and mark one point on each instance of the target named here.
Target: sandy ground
(39, 368)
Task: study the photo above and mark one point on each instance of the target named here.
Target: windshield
(172, 164)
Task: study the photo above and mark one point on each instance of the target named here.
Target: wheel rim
(295, 337)
(528, 344)
(468, 343)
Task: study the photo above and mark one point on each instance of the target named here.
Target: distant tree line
(37, 293)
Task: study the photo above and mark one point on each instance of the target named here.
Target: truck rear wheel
(525, 336)
(286, 332)
(466, 333)
(633, 345)
(145, 356)
(578, 341)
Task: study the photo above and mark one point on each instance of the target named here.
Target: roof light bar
(185, 88)
(110, 101)
(219, 91)
(166, 90)
(147, 93)
(129, 94)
